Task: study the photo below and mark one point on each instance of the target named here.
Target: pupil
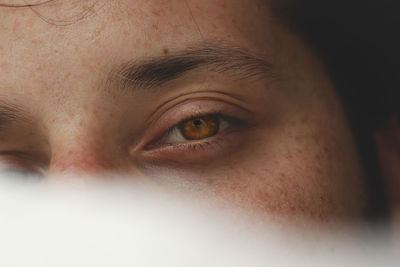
(198, 123)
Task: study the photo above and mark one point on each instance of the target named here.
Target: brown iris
(200, 128)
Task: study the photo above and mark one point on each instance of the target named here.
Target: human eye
(197, 133)
(18, 173)
(13, 165)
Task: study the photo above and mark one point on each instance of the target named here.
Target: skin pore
(117, 89)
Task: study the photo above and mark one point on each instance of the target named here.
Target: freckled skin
(299, 161)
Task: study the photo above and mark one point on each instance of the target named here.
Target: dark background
(359, 42)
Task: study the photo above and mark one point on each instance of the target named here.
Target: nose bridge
(80, 155)
(82, 143)
(79, 160)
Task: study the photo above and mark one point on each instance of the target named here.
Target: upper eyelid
(206, 95)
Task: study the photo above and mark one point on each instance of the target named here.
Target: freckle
(112, 115)
(155, 26)
(85, 107)
(126, 33)
(37, 42)
(67, 76)
(166, 51)
(234, 21)
(97, 43)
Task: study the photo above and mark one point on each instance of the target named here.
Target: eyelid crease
(197, 96)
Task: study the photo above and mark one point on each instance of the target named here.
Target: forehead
(144, 24)
(64, 41)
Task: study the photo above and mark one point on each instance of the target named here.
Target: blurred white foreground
(115, 224)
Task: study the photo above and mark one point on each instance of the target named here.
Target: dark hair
(359, 43)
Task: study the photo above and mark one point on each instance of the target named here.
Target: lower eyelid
(192, 145)
(209, 150)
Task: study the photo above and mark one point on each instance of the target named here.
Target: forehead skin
(55, 57)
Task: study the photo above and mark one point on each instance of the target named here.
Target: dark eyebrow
(156, 71)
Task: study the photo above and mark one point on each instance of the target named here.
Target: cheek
(295, 175)
(285, 184)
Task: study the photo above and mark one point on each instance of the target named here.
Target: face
(210, 94)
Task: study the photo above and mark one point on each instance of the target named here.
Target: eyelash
(197, 146)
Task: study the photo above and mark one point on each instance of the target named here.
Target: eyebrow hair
(154, 72)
